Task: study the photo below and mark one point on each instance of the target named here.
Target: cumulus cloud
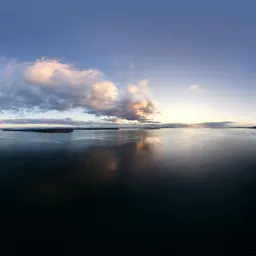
(131, 106)
(54, 73)
(194, 87)
(133, 89)
(144, 85)
(47, 85)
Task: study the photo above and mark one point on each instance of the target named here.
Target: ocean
(181, 188)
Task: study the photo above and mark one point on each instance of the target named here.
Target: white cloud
(133, 89)
(194, 87)
(102, 94)
(144, 85)
(54, 73)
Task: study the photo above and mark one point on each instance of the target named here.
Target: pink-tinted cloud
(47, 85)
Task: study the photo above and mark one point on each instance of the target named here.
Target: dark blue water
(182, 188)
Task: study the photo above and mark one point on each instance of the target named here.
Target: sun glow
(188, 113)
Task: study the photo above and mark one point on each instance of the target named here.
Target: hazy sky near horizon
(198, 57)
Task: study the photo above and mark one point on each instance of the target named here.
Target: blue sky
(198, 56)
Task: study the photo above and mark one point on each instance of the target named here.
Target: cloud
(144, 85)
(107, 122)
(116, 120)
(133, 89)
(64, 121)
(224, 124)
(194, 87)
(112, 122)
(131, 107)
(45, 85)
(54, 73)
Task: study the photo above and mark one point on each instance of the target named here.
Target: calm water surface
(171, 187)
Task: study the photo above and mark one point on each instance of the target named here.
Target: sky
(168, 61)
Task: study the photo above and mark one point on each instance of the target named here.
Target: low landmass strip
(53, 130)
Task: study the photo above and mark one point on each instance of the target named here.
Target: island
(42, 130)
(57, 130)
